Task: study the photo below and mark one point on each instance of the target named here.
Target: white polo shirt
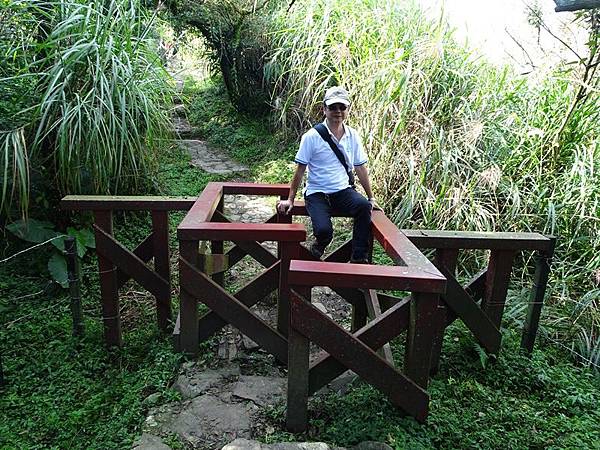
(325, 172)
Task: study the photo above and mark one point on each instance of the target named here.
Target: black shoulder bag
(324, 133)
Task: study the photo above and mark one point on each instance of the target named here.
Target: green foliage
(235, 33)
(40, 232)
(248, 139)
(99, 114)
(515, 402)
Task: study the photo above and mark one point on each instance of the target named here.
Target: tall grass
(453, 142)
(101, 99)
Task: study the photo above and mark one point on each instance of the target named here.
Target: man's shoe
(316, 250)
(359, 261)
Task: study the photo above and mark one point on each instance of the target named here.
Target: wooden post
(496, 284)
(446, 257)
(422, 328)
(297, 380)
(289, 251)
(73, 276)
(282, 218)
(162, 265)
(216, 248)
(108, 286)
(536, 300)
(188, 304)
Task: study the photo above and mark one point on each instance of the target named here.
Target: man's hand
(285, 206)
(374, 205)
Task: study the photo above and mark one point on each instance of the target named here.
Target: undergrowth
(64, 392)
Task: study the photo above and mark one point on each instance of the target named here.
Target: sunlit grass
(453, 142)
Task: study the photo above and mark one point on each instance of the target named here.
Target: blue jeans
(320, 207)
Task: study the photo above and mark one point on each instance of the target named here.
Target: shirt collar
(329, 131)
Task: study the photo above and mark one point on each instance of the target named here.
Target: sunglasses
(337, 107)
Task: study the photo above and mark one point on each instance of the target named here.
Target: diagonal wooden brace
(144, 251)
(253, 292)
(374, 311)
(232, 311)
(130, 264)
(357, 356)
(375, 334)
(469, 312)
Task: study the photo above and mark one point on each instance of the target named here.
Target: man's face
(336, 112)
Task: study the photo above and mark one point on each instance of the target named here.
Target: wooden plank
(297, 377)
(484, 330)
(359, 315)
(144, 251)
(162, 266)
(356, 356)
(423, 325)
(365, 276)
(109, 293)
(294, 232)
(398, 246)
(496, 284)
(536, 300)
(374, 311)
(253, 292)
(448, 259)
(110, 249)
(233, 311)
(126, 203)
(477, 240)
(203, 208)
(188, 305)
(266, 189)
(289, 251)
(375, 334)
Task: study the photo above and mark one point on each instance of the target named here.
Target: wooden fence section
(490, 286)
(117, 264)
(436, 297)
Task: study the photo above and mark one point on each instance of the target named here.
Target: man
(329, 186)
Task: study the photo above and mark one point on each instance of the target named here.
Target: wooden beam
(125, 203)
(477, 240)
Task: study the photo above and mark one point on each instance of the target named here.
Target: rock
(249, 344)
(300, 446)
(208, 422)
(243, 444)
(371, 445)
(152, 399)
(150, 442)
(191, 385)
(262, 391)
(210, 160)
(320, 307)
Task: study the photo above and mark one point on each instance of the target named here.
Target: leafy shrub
(101, 106)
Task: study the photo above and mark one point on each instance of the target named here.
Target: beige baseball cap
(336, 94)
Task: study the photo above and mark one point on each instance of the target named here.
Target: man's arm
(363, 177)
(285, 206)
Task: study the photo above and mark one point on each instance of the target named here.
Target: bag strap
(324, 133)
